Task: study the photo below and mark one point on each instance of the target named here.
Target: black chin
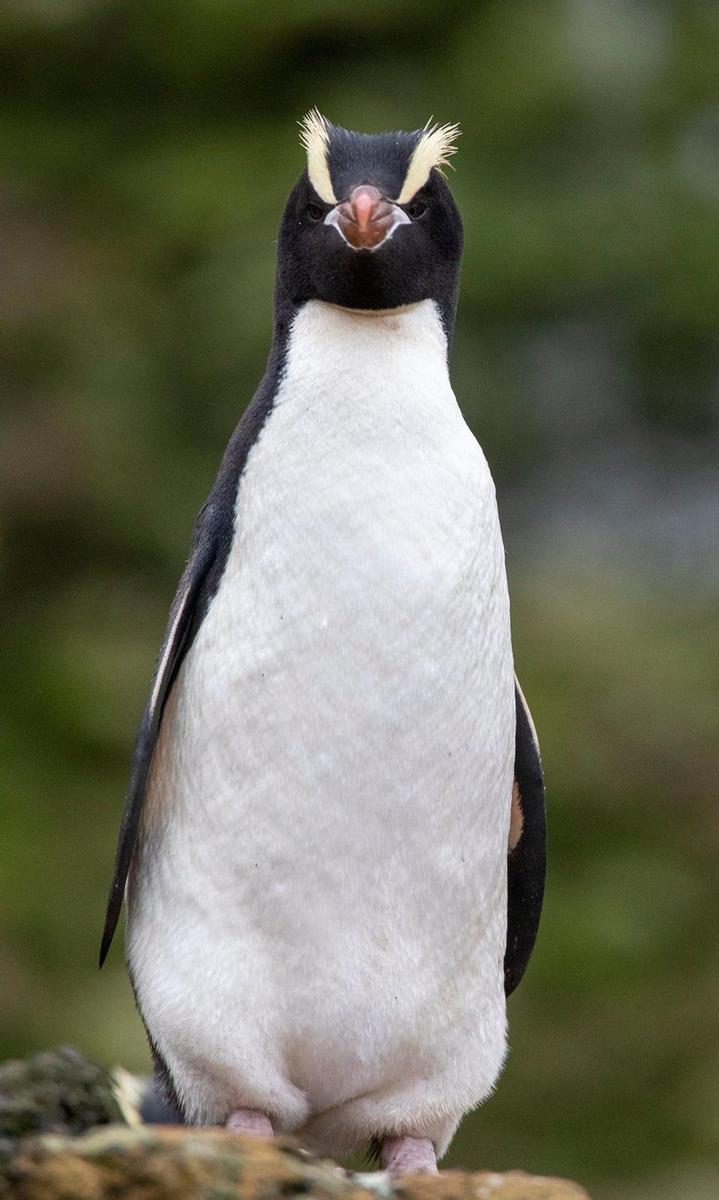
(372, 279)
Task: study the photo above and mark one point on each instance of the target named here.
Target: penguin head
(371, 223)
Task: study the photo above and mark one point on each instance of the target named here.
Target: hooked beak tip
(363, 203)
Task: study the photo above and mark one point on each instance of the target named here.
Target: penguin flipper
(527, 859)
(211, 542)
(185, 616)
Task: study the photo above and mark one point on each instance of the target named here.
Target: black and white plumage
(323, 913)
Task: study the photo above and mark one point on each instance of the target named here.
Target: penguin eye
(314, 212)
(416, 210)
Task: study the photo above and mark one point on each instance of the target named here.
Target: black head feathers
(372, 224)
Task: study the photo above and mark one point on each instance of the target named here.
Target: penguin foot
(251, 1122)
(403, 1155)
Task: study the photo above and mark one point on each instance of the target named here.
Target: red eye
(416, 210)
(314, 212)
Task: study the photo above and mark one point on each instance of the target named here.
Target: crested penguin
(333, 844)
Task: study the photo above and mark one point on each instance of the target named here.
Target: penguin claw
(250, 1122)
(407, 1155)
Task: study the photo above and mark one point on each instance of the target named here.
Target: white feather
(317, 911)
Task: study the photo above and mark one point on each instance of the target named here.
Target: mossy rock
(203, 1164)
(57, 1091)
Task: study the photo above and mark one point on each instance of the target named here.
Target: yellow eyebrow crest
(433, 151)
(315, 137)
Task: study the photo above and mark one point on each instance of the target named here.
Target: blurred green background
(148, 148)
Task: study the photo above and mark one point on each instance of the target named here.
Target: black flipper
(211, 543)
(174, 648)
(527, 853)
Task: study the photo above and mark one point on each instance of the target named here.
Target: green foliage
(148, 149)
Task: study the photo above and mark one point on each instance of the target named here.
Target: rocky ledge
(116, 1159)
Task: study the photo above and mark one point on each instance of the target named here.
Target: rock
(163, 1163)
(58, 1091)
(71, 1131)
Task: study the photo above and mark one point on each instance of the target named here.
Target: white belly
(318, 907)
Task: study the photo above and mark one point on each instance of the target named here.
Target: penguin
(333, 843)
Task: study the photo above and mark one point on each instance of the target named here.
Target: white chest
(330, 795)
(363, 612)
(366, 501)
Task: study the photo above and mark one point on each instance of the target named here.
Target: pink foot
(403, 1155)
(249, 1121)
